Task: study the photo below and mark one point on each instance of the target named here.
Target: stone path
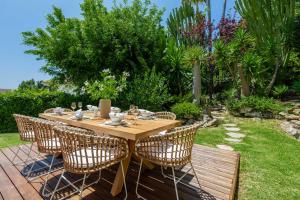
(234, 136)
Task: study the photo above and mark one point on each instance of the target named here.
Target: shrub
(256, 104)
(186, 110)
(280, 90)
(148, 91)
(296, 86)
(31, 103)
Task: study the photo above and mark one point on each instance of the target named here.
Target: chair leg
(60, 178)
(175, 183)
(162, 172)
(27, 154)
(82, 187)
(138, 181)
(195, 175)
(47, 177)
(13, 160)
(124, 180)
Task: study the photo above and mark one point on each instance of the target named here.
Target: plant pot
(104, 106)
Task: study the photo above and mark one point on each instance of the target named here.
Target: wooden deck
(217, 170)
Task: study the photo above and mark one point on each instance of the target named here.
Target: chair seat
(91, 157)
(52, 143)
(29, 135)
(167, 152)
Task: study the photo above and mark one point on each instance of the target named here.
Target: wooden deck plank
(216, 169)
(7, 188)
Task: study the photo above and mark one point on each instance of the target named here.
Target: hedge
(32, 103)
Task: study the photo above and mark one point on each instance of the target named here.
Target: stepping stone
(230, 125)
(234, 129)
(235, 135)
(233, 140)
(225, 147)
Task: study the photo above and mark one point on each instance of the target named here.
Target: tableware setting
(146, 114)
(58, 111)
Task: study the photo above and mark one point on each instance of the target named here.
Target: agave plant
(280, 90)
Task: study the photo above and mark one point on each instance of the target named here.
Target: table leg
(118, 182)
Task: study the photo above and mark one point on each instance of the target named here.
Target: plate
(110, 123)
(146, 118)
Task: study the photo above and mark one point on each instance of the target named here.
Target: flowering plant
(108, 87)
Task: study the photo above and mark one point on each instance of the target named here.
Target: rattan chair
(26, 133)
(85, 153)
(165, 115)
(47, 143)
(51, 110)
(170, 150)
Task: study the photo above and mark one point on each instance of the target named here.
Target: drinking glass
(73, 106)
(79, 104)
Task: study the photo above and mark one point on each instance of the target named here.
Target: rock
(296, 111)
(295, 123)
(246, 110)
(234, 129)
(291, 117)
(213, 122)
(235, 135)
(268, 115)
(225, 147)
(230, 125)
(253, 114)
(289, 128)
(233, 140)
(282, 114)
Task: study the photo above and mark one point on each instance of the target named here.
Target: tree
(31, 85)
(271, 23)
(126, 38)
(196, 58)
(224, 9)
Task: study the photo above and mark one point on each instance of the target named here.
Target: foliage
(147, 91)
(76, 49)
(9, 140)
(108, 87)
(296, 86)
(271, 23)
(186, 110)
(177, 75)
(32, 103)
(257, 104)
(280, 90)
(195, 55)
(31, 85)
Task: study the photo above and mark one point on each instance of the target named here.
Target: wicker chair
(165, 115)
(26, 133)
(51, 110)
(85, 153)
(170, 150)
(48, 143)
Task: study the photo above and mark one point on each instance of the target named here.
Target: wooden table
(133, 132)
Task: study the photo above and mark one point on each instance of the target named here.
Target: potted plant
(107, 88)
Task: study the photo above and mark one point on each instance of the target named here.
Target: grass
(9, 139)
(270, 160)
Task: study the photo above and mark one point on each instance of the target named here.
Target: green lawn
(9, 139)
(270, 160)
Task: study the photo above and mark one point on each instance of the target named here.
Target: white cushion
(52, 143)
(89, 155)
(168, 151)
(28, 134)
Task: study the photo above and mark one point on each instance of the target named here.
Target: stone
(230, 125)
(296, 123)
(253, 114)
(291, 117)
(234, 129)
(289, 128)
(233, 140)
(282, 114)
(296, 111)
(225, 147)
(246, 110)
(235, 135)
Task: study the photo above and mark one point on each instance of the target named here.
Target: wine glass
(73, 106)
(135, 112)
(79, 104)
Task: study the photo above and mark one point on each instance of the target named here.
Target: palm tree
(224, 9)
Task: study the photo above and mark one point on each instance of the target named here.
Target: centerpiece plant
(107, 88)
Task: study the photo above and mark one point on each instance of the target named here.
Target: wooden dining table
(135, 129)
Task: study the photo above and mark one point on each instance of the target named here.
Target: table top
(140, 128)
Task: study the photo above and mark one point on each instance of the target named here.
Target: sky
(17, 16)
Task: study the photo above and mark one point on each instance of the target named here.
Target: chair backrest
(46, 139)
(165, 115)
(51, 110)
(172, 149)
(85, 152)
(25, 127)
